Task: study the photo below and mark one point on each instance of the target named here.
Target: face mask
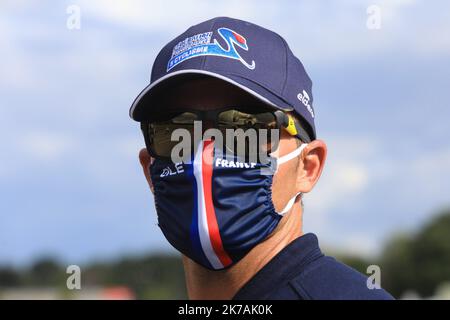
(215, 210)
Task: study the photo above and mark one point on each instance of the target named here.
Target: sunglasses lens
(234, 119)
(245, 132)
(185, 118)
(160, 133)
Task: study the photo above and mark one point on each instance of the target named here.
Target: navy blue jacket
(302, 272)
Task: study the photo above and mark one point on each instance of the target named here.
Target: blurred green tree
(9, 277)
(431, 255)
(157, 276)
(397, 274)
(46, 272)
(419, 262)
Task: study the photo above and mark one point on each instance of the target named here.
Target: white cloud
(346, 174)
(391, 9)
(355, 165)
(358, 166)
(428, 175)
(432, 163)
(46, 146)
(129, 146)
(15, 65)
(360, 244)
(312, 32)
(338, 36)
(168, 16)
(343, 180)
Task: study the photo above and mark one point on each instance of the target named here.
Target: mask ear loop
(287, 157)
(291, 155)
(282, 160)
(290, 204)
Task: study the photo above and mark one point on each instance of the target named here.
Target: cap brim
(139, 109)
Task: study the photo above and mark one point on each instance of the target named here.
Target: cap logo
(200, 45)
(304, 98)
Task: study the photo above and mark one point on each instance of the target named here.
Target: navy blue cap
(246, 55)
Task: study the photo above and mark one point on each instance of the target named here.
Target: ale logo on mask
(168, 171)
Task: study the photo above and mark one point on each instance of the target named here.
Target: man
(237, 220)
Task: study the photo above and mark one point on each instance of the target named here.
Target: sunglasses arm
(292, 126)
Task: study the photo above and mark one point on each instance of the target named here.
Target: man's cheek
(277, 191)
(283, 185)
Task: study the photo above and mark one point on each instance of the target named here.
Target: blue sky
(70, 181)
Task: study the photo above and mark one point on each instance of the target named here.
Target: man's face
(209, 94)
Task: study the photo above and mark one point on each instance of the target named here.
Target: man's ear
(311, 165)
(146, 160)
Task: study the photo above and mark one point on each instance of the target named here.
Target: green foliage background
(418, 261)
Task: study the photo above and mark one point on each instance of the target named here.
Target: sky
(70, 181)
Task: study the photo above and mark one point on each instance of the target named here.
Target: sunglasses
(159, 131)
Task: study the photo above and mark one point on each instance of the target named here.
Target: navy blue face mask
(215, 210)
